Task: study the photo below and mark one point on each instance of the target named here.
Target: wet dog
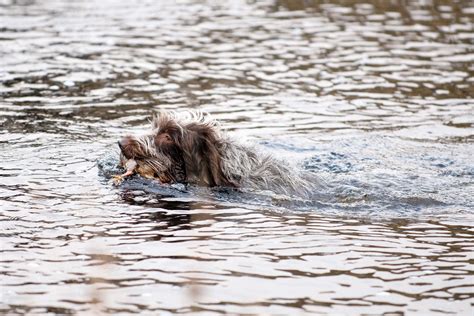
(190, 147)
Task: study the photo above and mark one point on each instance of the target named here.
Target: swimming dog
(190, 147)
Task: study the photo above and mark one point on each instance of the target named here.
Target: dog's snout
(123, 145)
(127, 147)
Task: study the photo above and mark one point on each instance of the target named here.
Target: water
(373, 97)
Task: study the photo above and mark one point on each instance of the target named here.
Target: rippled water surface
(373, 97)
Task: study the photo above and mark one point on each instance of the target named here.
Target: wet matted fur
(193, 145)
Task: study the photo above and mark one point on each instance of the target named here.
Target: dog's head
(195, 139)
(143, 150)
(137, 147)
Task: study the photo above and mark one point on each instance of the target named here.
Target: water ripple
(373, 97)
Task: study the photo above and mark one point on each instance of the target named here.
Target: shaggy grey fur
(204, 147)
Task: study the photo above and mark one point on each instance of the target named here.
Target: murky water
(374, 97)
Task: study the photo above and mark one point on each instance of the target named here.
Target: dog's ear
(213, 160)
(166, 123)
(201, 153)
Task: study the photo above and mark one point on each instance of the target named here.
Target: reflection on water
(375, 97)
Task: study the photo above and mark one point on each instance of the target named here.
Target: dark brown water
(374, 97)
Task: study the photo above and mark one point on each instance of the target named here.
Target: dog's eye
(165, 137)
